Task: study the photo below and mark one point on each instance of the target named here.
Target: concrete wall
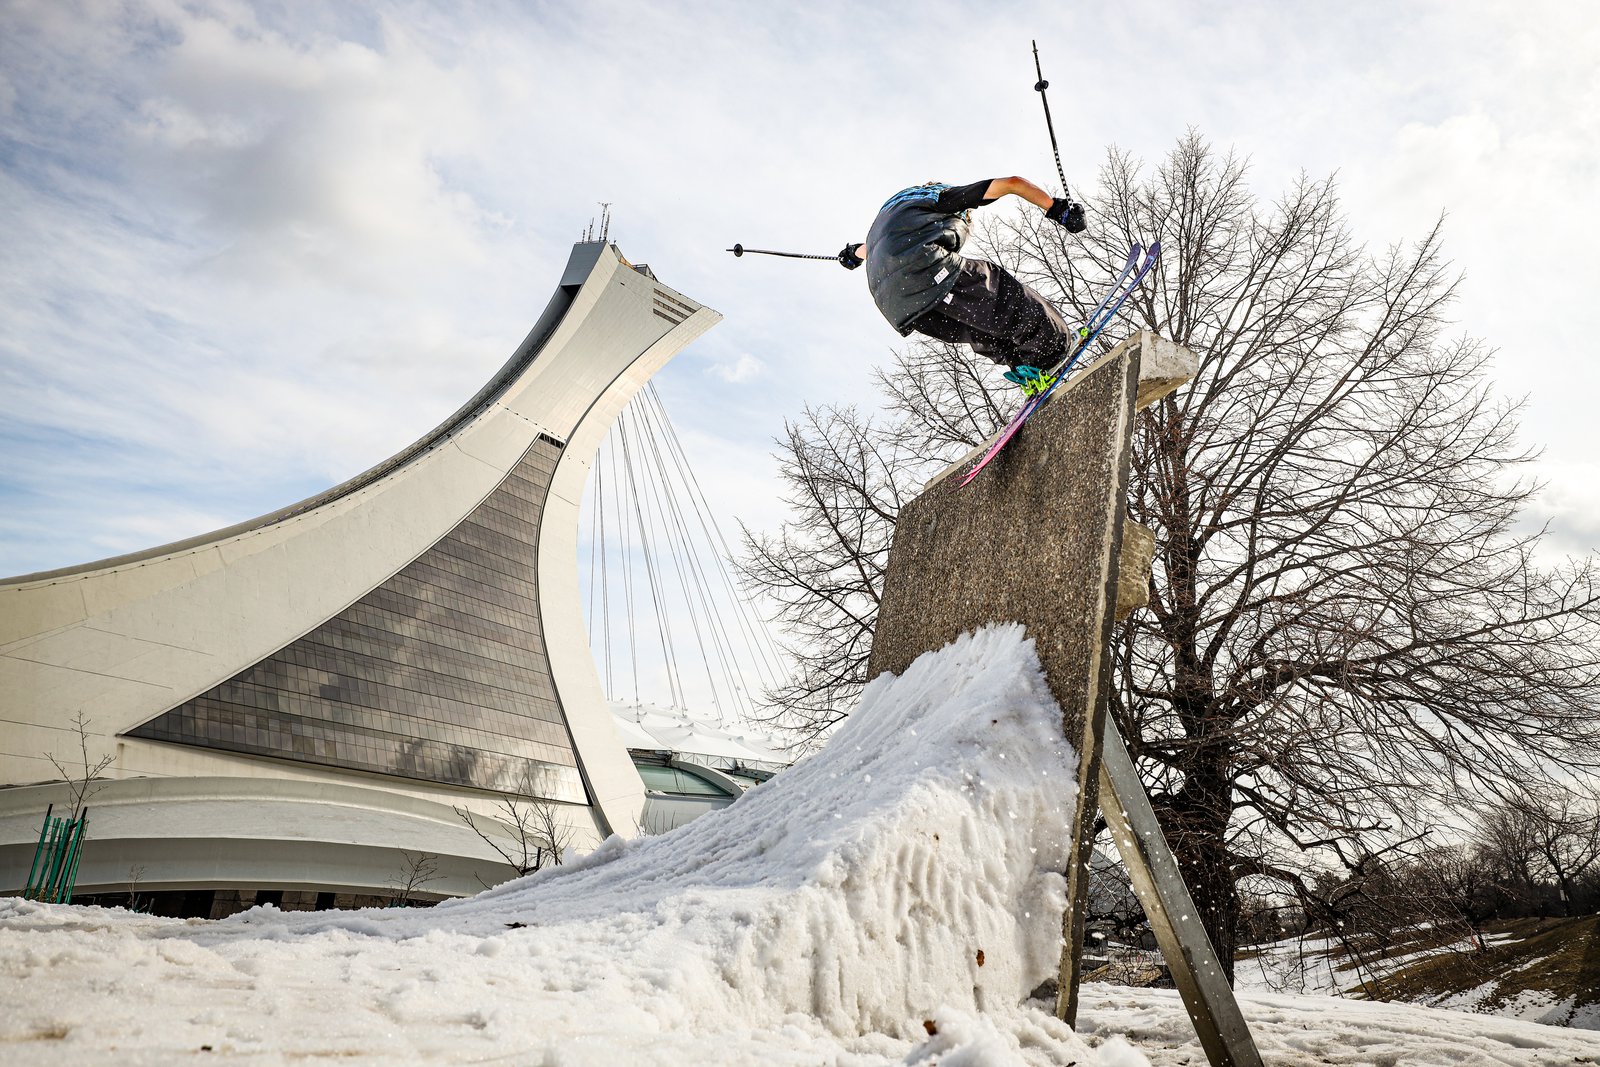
(1037, 538)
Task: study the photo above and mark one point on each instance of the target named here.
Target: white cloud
(320, 157)
(1570, 503)
(225, 222)
(742, 369)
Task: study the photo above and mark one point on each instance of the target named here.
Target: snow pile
(819, 920)
(905, 873)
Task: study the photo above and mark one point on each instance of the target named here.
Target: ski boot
(1031, 380)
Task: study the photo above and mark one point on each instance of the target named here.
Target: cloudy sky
(247, 250)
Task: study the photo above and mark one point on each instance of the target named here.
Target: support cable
(655, 509)
(689, 576)
(656, 591)
(755, 633)
(721, 642)
(656, 513)
(751, 633)
(597, 531)
(627, 569)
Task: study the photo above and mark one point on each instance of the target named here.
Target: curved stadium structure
(291, 702)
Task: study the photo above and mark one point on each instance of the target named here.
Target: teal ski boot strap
(1031, 380)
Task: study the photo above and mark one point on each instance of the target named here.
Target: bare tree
(1549, 830)
(1409, 896)
(83, 779)
(135, 876)
(417, 869)
(1346, 626)
(1506, 841)
(526, 831)
(846, 480)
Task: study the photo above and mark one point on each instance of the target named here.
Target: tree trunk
(1195, 823)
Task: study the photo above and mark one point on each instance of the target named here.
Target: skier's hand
(1067, 212)
(848, 258)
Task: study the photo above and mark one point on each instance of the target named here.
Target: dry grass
(1558, 957)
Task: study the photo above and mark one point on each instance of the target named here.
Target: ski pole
(740, 250)
(1041, 85)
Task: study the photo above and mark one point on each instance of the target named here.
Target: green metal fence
(55, 860)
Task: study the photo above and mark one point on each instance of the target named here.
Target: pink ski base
(1000, 442)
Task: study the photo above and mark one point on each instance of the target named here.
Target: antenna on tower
(605, 220)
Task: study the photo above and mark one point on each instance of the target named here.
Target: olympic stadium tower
(293, 704)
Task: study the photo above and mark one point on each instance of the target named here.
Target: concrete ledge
(1163, 366)
(1041, 537)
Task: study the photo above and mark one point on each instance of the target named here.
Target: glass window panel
(660, 779)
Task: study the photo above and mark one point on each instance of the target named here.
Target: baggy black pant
(1001, 318)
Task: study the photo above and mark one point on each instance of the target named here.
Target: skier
(922, 283)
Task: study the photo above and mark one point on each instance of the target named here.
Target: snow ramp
(906, 874)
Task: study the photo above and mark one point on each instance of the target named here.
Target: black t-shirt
(959, 198)
(914, 248)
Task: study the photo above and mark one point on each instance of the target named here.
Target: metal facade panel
(439, 674)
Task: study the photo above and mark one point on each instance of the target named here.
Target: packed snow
(1312, 1031)
(905, 873)
(902, 880)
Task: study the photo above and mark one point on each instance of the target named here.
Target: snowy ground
(1312, 1031)
(901, 875)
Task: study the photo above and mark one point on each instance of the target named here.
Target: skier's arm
(1068, 213)
(852, 256)
(1057, 209)
(1014, 186)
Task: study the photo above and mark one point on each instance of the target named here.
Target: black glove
(1068, 213)
(848, 258)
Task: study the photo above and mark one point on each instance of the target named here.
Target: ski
(1112, 290)
(1098, 320)
(1085, 333)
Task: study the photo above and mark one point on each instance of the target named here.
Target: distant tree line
(1532, 855)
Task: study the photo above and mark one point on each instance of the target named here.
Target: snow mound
(907, 872)
(861, 885)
